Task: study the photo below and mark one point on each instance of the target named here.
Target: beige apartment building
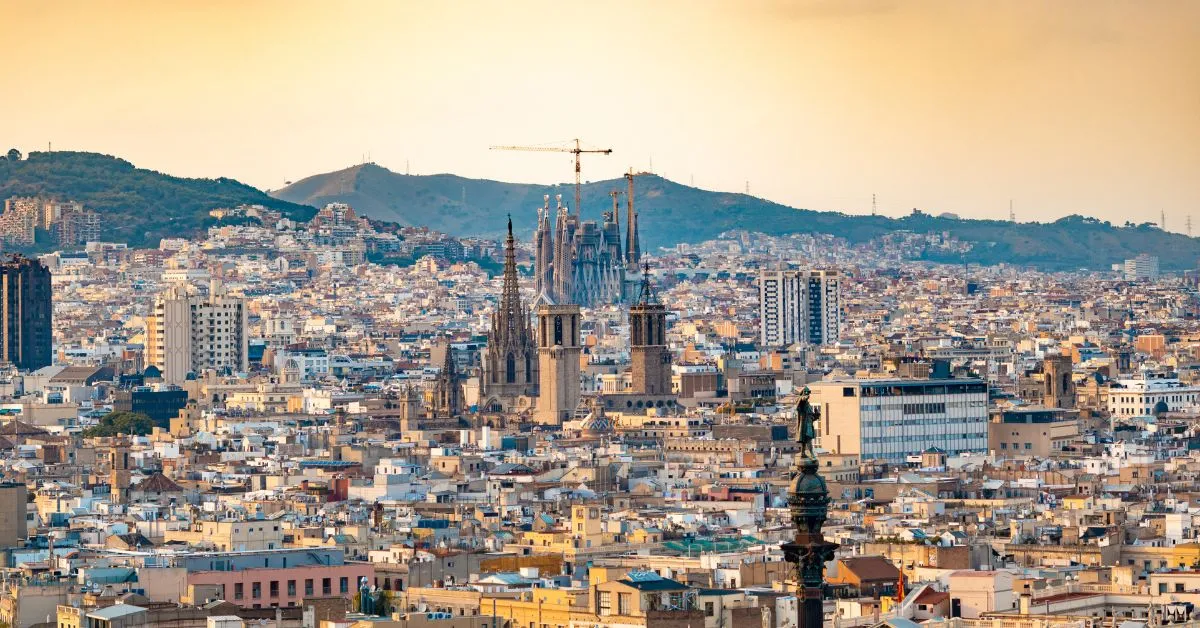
(189, 332)
(1038, 432)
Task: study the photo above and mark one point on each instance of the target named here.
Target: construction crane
(577, 151)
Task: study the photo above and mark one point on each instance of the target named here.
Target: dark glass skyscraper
(26, 315)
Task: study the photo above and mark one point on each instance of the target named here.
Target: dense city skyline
(1066, 108)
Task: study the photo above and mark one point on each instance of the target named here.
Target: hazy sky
(1067, 107)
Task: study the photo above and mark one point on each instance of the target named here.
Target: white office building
(893, 419)
(799, 307)
(189, 332)
(1149, 396)
(1142, 267)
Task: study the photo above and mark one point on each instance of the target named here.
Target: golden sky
(1064, 106)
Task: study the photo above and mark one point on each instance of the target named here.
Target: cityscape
(586, 393)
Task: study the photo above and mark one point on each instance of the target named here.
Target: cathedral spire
(646, 296)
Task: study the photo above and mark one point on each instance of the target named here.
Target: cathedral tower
(447, 393)
(648, 343)
(510, 364)
(558, 357)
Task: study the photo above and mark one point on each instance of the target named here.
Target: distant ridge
(672, 213)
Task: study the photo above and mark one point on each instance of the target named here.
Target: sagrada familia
(583, 262)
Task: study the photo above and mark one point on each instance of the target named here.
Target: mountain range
(140, 206)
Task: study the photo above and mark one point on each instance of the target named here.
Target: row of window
(273, 588)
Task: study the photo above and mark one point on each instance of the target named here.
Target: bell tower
(648, 342)
(558, 363)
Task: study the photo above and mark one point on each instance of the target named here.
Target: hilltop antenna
(1162, 219)
(1188, 223)
(406, 167)
(874, 206)
(1012, 216)
(747, 187)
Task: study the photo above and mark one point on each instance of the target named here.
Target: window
(708, 609)
(274, 588)
(291, 590)
(344, 585)
(326, 586)
(308, 587)
(622, 603)
(605, 602)
(238, 591)
(256, 590)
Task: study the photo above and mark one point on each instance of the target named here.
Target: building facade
(799, 307)
(1148, 396)
(1144, 267)
(27, 313)
(891, 419)
(189, 332)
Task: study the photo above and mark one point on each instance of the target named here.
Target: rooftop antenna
(874, 206)
(1012, 216)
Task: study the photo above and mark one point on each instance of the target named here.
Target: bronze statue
(806, 429)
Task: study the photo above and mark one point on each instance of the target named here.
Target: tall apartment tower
(558, 363)
(27, 311)
(799, 307)
(189, 332)
(648, 343)
(1058, 381)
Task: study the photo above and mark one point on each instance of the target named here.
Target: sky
(1063, 107)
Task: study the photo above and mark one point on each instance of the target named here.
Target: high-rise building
(892, 419)
(558, 356)
(510, 362)
(799, 307)
(27, 313)
(651, 357)
(1142, 267)
(189, 332)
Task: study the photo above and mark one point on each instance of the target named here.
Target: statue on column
(806, 429)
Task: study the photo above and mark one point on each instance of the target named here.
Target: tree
(115, 423)
(14, 154)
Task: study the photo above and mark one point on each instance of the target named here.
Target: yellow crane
(577, 150)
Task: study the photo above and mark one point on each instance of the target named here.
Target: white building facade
(1141, 397)
(799, 307)
(892, 419)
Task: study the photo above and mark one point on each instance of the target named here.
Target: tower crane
(577, 150)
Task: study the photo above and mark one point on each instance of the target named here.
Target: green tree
(115, 423)
(14, 154)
